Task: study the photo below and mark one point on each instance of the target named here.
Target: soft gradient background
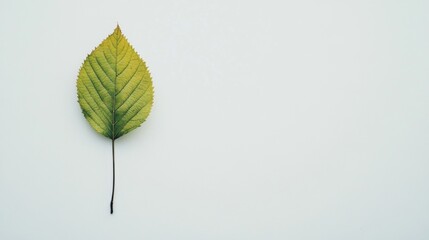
(273, 120)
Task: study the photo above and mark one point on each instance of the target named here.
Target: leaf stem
(113, 186)
(114, 121)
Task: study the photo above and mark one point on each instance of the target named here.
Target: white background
(272, 120)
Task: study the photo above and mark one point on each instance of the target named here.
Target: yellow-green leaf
(114, 90)
(114, 87)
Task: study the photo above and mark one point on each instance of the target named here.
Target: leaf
(114, 89)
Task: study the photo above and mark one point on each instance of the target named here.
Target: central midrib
(114, 88)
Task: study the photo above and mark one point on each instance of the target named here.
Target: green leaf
(114, 90)
(114, 87)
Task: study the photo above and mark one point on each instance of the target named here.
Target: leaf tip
(117, 29)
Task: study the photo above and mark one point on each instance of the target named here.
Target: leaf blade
(115, 90)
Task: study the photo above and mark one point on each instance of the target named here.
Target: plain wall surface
(272, 120)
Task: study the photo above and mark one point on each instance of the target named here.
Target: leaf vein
(129, 79)
(98, 77)
(137, 112)
(108, 63)
(95, 88)
(126, 52)
(84, 97)
(103, 69)
(132, 92)
(96, 122)
(123, 116)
